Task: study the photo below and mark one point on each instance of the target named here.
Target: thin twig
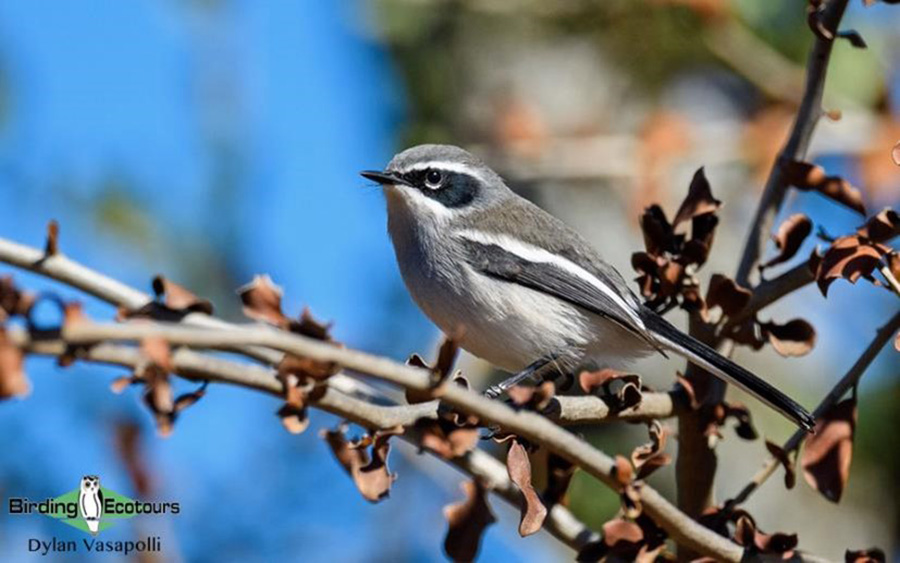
(60, 268)
(890, 279)
(848, 381)
(697, 462)
(797, 144)
(772, 290)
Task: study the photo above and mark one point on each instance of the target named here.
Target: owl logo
(90, 502)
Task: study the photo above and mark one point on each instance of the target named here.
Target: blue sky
(239, 129)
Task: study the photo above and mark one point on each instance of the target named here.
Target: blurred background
(211, 140)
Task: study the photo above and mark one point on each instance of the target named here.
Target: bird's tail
(705, 357)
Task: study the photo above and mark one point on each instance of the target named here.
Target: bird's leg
(533, 368)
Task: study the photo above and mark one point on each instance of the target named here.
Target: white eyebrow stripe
(457, 167)
(539, 255)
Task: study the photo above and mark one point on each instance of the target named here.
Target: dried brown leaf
(13, 382)
(622, 541)
(881, 227)
(590, 381)
(119, 384)
(559, 474)
(13, 301)
(847, 258)
(725, 293)
(186, 400)
(536, 397)
(806, 176)
(371, 476)
(652, 464)
(346, 456)
(699, 200)
(828, 452)
(445, 438)
(415, 396)
(744, 428)
(794, 338)
(158, 397)
(309, 326)
(757, 542)
(178, 298)
(51, 248)
(467, 521)
(658, 233)
(617, 531)
(784, 458)
(619, 390)
(374, 479)
(622, 471)
(670, 277)
(854, 38)
(646, 453)
(441, 371)
(703, 231)
(157, 350)
(791, 234)
(306, 368)
(533, 511)
(694, 252)
(871, 555)
(693, 303)
(262, 301)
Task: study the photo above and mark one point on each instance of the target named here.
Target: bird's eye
(434, 179)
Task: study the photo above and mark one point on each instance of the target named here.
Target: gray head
(439, 180)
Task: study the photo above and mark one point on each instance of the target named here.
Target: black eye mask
(456, 189)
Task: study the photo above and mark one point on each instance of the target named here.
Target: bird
(90, 502)
(517, 287)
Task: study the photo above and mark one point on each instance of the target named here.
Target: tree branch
(529, 425)
(697, 461)
(60, 268)
(591, 409)
(560, 522)
(884, 335)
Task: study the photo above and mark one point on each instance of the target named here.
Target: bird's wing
(535, 227)
(515, 261)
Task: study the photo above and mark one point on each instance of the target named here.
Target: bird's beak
(383, 178)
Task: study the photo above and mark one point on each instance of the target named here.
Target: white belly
(511, 326)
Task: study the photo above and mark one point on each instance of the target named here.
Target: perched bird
(516, 286)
